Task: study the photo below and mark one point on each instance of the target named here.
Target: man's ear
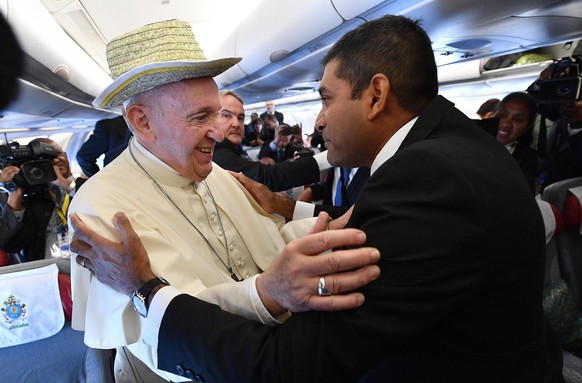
(377, 95)
(137, 115)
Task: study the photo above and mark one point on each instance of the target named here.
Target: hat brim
(149, 76)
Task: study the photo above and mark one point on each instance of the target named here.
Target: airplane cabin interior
(483, 50)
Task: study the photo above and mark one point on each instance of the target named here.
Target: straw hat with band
(153, 55)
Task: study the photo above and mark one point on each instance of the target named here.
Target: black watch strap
(148, 287)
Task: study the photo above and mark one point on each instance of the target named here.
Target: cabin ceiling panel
(349, 9)
(263, 35)
(281, 55)
(37, 107)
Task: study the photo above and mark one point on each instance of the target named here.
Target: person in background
(340, 188)
(317, 140)
(301, 150)
(561, 152)
(461, 237)
(278, 177)
(281, 148)
(271, 124)
(487, 109)
(564, 145)
(108, 134)
(34, 217)
(204, 232)
(270, 110)
(250, 128)
(517, 113)
(254, 132)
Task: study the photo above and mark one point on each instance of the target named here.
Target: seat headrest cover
(66, 297)
(572, 213)
(551, 216)
(559, 220)
(4, 258)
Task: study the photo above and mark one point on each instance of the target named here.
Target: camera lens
(36, 173)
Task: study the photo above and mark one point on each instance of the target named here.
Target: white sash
(30, 305)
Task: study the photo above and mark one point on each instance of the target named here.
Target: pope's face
(184, 122)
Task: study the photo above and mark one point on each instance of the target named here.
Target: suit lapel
(360, 177)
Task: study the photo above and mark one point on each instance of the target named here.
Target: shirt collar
(511, 147)
(392, 145)
(157, 168)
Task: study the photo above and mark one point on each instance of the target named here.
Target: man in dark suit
(564, 157)
(109, 134)
(270, 109)
(281, 148)
(278, 177)
(338, 191)
(461, 239)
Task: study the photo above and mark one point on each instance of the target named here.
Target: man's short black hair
(395, 46)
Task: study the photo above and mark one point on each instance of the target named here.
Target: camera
(564, 85)
(34, 161)
(290, 130)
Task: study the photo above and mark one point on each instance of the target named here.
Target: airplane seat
(554, 225)
(37, 343)
(572, 211)
(4, 258)
(569, 242)
(563, 285)
(253, 153)
(572, 368)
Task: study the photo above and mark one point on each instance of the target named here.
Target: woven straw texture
(153, 55)
(170, 40)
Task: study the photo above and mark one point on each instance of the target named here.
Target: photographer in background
(33, 220)
(565, 145)
(557, 91)
(281, 148)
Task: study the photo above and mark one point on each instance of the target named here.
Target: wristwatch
(9, 186)
(139, 299)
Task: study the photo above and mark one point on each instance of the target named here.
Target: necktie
(280, 155)
(341, 197)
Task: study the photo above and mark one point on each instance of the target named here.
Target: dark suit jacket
(526, 157)
(27, 237)
(564, 154)
(279, 116)
(107, 135)
(278, 177)
(266, 151)
(529, 163)
(458, 299)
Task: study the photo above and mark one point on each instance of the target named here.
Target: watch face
(139, 305)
